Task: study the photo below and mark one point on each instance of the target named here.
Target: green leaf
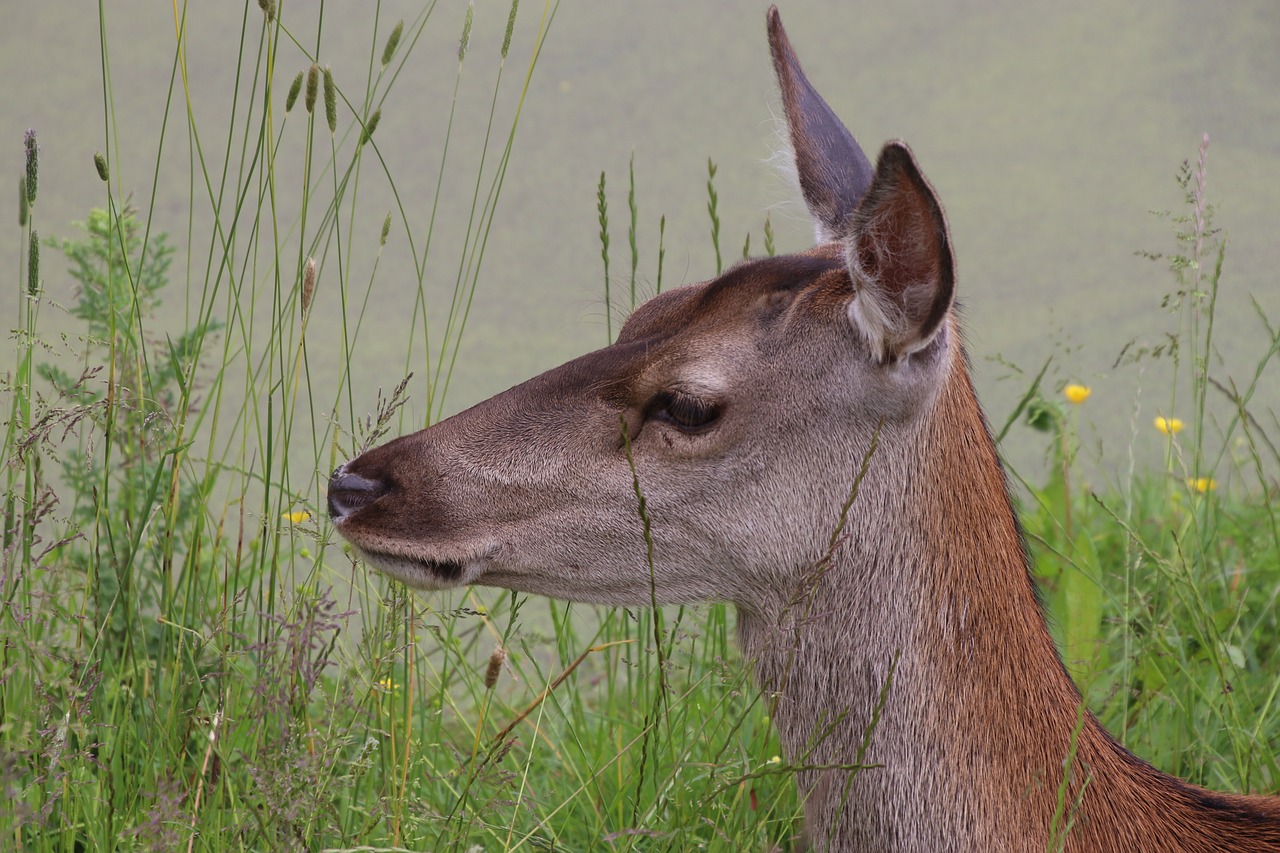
(1082, 595)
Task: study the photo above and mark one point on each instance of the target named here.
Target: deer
(806, 436)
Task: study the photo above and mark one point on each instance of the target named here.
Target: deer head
(743, 403)
(803, 429)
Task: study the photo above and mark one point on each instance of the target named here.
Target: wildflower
(388, 685)
(1169, 426)
(777, 759)
(1203, 485)
(297, 517)
(1077, 394)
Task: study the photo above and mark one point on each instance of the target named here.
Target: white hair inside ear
(782, 159)
(872, 319)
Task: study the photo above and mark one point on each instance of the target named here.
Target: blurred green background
(1049, 130)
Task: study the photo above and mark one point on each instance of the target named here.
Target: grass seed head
(511, 25)
(294, 88)
(466, 32)
(330, 100)
(24, 209)
(100, 163)
(33, 263)
(268, 8)
(308, 285)
(393, 41)
(496, 660)
(33, 165)
(313, 86)
(386, 230)
(370, 125)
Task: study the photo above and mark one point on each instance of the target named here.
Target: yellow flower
(388, 685)
(297, 517)
(777, 759)
(1077, 394)
(1169, 426)
(1202, 485)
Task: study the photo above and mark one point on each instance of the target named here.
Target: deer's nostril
(350, 492)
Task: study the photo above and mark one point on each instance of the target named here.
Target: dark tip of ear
(897, 158)
(896, 151)
(779, 44)
(899, 155)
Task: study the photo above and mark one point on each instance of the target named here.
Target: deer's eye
(684, 411)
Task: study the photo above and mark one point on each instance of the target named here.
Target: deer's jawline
(423, 573)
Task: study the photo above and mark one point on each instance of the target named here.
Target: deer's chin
(425, 574)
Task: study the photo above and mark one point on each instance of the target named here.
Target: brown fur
(837, 366)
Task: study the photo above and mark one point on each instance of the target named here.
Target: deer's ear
(899, 256)
(834, 173)
(889, 219)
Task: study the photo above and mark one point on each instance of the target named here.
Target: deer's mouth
(422, 573)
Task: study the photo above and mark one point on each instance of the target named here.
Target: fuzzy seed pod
(393, 41)
(23, 208)
(33, 264)
(370, 125)
(330, 100)
(496, 660)
(33, 166)
(511, 25)
(308, 285)
(294, 88)
(386, 229)
(466, 32)
(313, 85)
(100, 163)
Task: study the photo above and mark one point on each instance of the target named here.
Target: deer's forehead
(743, 296)
(628, 373)
(697, 336)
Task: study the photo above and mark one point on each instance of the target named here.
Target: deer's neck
(923, 651)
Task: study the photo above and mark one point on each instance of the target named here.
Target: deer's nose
(348, 493)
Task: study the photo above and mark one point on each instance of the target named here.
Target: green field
(191, 659)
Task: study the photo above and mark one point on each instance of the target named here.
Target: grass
(190, 660)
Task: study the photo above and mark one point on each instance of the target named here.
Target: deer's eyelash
(684, 411)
